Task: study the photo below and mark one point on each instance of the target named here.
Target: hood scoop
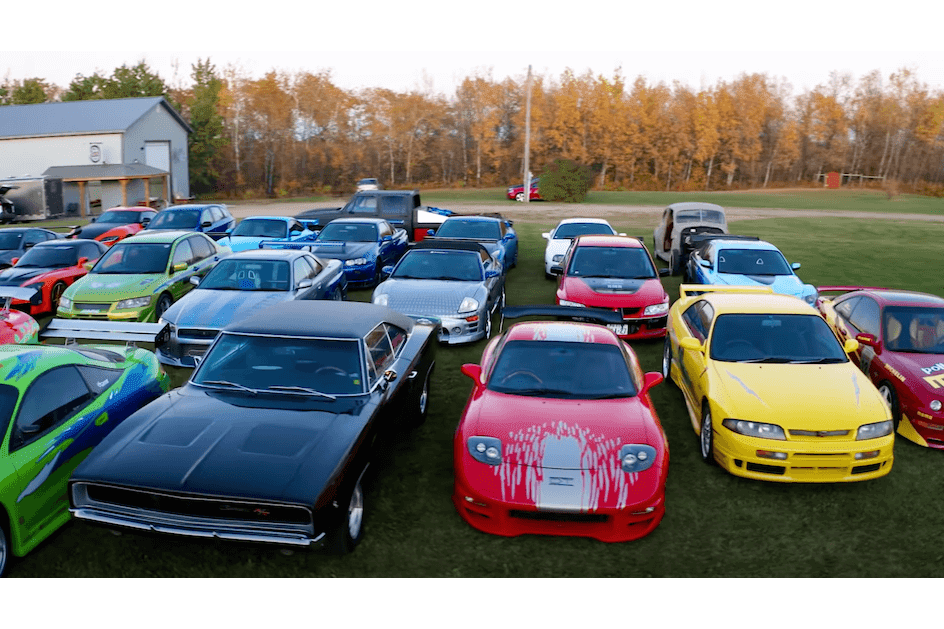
(766, 280)
(613, 285)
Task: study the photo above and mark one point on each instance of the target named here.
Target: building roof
(102, 172)
(79, 117)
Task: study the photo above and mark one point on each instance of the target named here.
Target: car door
(180, 269)
(304, 284)
(385, 353)
(692, 363)
(865, 318)
(48, 421)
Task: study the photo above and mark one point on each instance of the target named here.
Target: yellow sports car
(770, 390)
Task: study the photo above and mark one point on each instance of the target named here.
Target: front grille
(630, 312)
(819, 433)
(83, 307)
(766, 469)
(865, 469)
(213, 508)
(559, 516)
(197, 333)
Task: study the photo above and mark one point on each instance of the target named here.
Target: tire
(163, 303)
(422, 401)
(351, 530)
(55, 293)
(888, 392)
(519, 197)
(706, 438)
(667, 361)
(378, 277)
(4, 546)
(674, 262)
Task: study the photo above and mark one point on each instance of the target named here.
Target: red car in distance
(901, 349)
(115, 224)
(50, 268)
(616, 273)
(559, 436)
(516, 192)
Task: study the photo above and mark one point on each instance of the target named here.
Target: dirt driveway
(551, 213)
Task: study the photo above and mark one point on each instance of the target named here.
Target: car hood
(342, 250)
(242, 243)
(15, 276)
(95, 286)
(427, 297)
(783, 284)
(208, 308)
(782, 394)
(282, 448)
(94, 230)
(613, 292)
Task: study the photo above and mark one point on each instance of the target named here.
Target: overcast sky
(408, 70)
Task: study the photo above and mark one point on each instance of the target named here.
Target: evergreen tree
(208, 135)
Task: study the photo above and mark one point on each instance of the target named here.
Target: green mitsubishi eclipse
(141, 277)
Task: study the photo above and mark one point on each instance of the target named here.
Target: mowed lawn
(715, 524)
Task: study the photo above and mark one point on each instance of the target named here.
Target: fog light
(477, 504)
(767, 454)
(644, 512)
(456, 330)
(935, 405)
(866, 455)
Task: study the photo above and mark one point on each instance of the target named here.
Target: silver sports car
(458, 284)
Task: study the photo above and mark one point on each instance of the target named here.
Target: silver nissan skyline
(458, 284)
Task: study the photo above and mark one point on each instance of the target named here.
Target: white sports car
(559, 239)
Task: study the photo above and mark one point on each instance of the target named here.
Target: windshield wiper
(300, 391)
(227, 383)
(817, 361)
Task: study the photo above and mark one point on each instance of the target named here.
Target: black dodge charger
(270, 438)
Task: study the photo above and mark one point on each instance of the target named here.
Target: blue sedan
(253, 230)
(746, 261)
(496, 234)
(212, 219)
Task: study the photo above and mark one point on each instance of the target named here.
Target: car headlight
(874, 431)
(811, 298)
(485, 449)
(381, 300)
(136, 302)
(755, 429)
(65, 302)
(558, 257)
(655, 309)
(110, 239)
(355, 262)
(564, 302)
(935, 404)
(637, 457)
(468, 305)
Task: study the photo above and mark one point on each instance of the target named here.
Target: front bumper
(107, 312)
(921, 427)
(456, 330)
(360, 276)
(185, 346)
(824, 460)
(642, 328)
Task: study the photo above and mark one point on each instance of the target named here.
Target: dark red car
(115, 224)
(901, 349)
(616, 273)
(50, 267)
(516, 192)
(559, 436)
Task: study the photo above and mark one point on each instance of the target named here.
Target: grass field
(715, 524)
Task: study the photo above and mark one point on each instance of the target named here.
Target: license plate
(619, 328)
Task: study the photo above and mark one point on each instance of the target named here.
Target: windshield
(119, 217)
(236, 274)
(264, 227)
(348, 232)
(50, 256)
(617, 262)
(292, 365)
(752, 262)
(478, 230)
(914, 329)
(583, 371)
(704, 216)
(133, 258)
(572, 230)
(10, 239)
(774, 338)
(459, 266)
(176, 219)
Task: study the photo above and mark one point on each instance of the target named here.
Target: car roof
(473, 218)
(695, 205)
(191, 206)
(384, 193)
(366, 219)
(157, 236)
(603, 240)
(287, 219)
(600, 221)
(757, 303)
(130, 208)
(59, 242)
(565, 331)
(901, 297)
(450, 243)
(324, 319)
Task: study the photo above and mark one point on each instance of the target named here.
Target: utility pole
(527, 141)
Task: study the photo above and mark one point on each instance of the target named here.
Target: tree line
(299, 133)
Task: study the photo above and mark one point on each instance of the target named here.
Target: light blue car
(745, 261)
(253, 230)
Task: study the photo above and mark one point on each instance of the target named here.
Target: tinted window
(845, 307)
(53, 398)
(303, 271)
(10, 239)
(458, 266)
(261, 227)
(865, 317)
(121, 217)
(349, 232)
(696, 322)
(617, 262)
(50, 256)
(216, 213)
(183, 254)
(911, 329)
(98, 379)
(379, 350)
(90, 251)
(241, 274)
(752, 262)
(201, 247)
(134, 258)
(572, 230)
(362, 205)
(175, 219)
(774, 338)
(478, 230)
(397, 206)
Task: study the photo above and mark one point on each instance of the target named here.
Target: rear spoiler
(846, 289)
(563, 313)
(288, 244)
(687, 290)
(130, 333)
(21, 293)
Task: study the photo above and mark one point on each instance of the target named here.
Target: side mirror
(705, 263)
(387, 270)
(177, 268)
(386, 239)
(390, 375)
(306, 283)
(557, 270)
(651, 379)
(29, 245)
(206, 224)
(691, 344)
(195, 280)
(665, 272)
(490, 273)
(869, 340)
(850, 346)
(430, 232)
(546, 235)
(473, 371)
(88, 266)
(14, 261)
(93, 219)
(624, 233)
(228, 232)
(145, 221)
(795, 266)
(81, 262)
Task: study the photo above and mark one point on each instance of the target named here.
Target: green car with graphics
(141, 276)
(57, 402)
